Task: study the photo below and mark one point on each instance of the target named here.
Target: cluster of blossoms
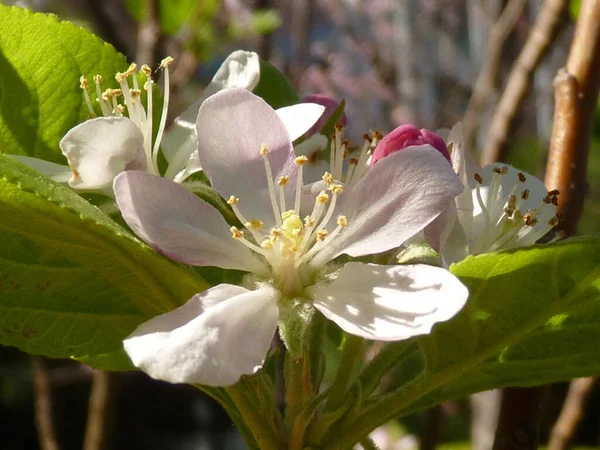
(301, 218)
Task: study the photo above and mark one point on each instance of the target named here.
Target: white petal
(232, 126)
(299, 118)
(180, 225)
(57, 172)
(216, 337)
(465, 167)
(395, 199)
(191, 167)
(390, 303)
(240, 70)
(99, 149)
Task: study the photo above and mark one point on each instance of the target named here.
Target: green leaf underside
(41, 60)
(274, 88)
(73, 283)
(533, 317)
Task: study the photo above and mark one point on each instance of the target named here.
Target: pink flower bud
(330, 104)
(406, 136)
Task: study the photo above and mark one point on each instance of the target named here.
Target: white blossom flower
(122, 139)
(499, 208)
(289, 251)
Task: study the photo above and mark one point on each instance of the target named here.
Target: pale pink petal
(390, 303)
(215, 338)
(240, 70)
(57, 172)
(232, 125)
(180, 225)
(395, 199)
(299, 118)
(465, 167)
(99, 149)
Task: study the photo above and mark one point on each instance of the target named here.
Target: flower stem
(352, 354)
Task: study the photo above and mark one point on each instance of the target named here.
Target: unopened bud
(407, 136)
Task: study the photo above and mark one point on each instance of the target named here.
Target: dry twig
(484, 86)
(97, 427)
(43, 405)
(576, 94)
(542, 34)
(571, 414)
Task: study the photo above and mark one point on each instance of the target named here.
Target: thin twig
(543, 32)
(43, 405)
(99, 408)
(484, 86)
(302, 12)
(572, 412)
(518, 424)
(576, 93)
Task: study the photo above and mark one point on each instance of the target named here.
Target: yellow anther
(255, 224)
(263, 150)
(117, 92)
(83, 82)
(309, 222)
(321, 235)
(283, 180)
(336, 188)
(342, 221)
(131, 69)
(300, 160)
(135, 93)
(236, 233)
(233, 200)
(120, 76)
(166, 62)
(98, 79)
(322, 198)
(121, 108)
(288, 214)
(146, 69)
(328, 178)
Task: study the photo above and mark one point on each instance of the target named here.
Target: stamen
(342, 222)
(327, 178)
(238, 235)
(105, 108)
(478, 178)
(254, 224)
(265, 154)
(299, 161)
(83, 84)
(282, 181)
(164, 64)
(321, 235)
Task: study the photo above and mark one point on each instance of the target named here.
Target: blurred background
(487, 63)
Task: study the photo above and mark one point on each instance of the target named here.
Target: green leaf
(41, 60)
(274, 87)
(533, 317)
(73, 283)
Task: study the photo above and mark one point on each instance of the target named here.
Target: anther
(342, 221)
(500, 170)
(283, 180)
(263, 150)
(135, 93)
(288, 214)
(322, 198)
(377, 135)
(309, 222)
(146, 69)
(131, 69)
(254, 224)
(367, 137)
(337, 188)
(525, 194)
(300, 160)
(236, 233)
(353, 161)
(328, 178)
(554, 192)
(98, 79)
(478, 178)
(321, 235)
(522, 177)
(83, 82)
(233, 200)
(166, 62)
(554, 221)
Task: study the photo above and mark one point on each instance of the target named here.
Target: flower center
(133, 107)
(293, 243)
(506, 223)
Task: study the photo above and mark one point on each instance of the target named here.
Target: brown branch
(518, 424)
(572, 412)
(100, 401)
(576, 94)
(302, 13)
(43, 405)
(484, 86)
(543, 32)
